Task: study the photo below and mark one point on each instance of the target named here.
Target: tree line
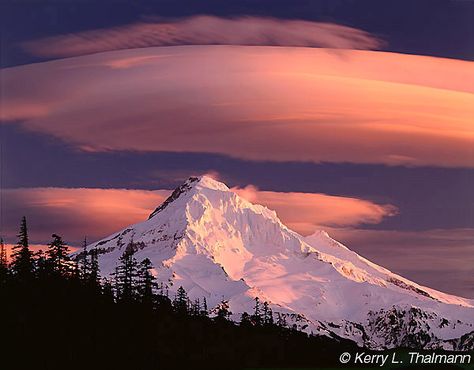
(61, 311)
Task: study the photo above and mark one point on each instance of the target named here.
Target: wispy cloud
(75, 213)
(254, 103)
(206, 30)
(307, 212)
(441, 259)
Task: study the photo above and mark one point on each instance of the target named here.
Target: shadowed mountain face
(217, 245)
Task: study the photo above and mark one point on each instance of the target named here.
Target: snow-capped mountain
(217, 245)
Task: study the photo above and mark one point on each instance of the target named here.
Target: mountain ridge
(217, 245)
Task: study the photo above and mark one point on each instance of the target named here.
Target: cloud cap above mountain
(257, 103)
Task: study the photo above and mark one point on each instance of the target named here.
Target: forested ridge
(58, 313)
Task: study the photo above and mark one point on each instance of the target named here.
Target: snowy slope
(215, 244)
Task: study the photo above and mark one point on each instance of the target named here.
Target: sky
(351, 116)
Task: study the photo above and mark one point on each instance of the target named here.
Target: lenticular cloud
(206, 30)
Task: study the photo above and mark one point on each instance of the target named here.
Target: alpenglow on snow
(217, 245)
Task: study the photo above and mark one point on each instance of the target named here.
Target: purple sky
(386, 137)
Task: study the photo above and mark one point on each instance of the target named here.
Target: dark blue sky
(428, 27)
(427, 198)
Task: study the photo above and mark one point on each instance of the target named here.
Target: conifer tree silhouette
(3, 262)
(147, 282)
(22, 258)
(126, 275)
(58, 255)
(180, 303)
(257, 315)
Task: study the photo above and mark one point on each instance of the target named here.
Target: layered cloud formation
(76, 213)
(438, 258)
(205, 30)
(276, 99)
(307, 212)
(257, 103)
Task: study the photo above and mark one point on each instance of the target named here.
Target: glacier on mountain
(217, 245)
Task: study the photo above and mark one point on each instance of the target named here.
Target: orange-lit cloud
(75, 213)
(256, 103)
(442, 259)
(307, 212)
(205, 30)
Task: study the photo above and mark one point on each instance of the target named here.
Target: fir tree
(58, 255)
(43, 267)
(257, 315)
(75, 271)
(147, 282)
(3, 262)
(267, 314)
(195, 308)
(281, 320)
(126, 276)
(223, 312)
(84, 266)
(204, 312)
(22, 258)
(93, 272)
(162, 300)
(180, 303)
(245, 320)
(107, 289)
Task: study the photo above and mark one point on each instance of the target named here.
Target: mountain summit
(217, 245)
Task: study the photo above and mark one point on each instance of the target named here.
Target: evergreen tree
(162, 301)
(126, 276)
(43, 267)
(223, 312)
(23, 239)
(267, 314)
(93, 272)
(75, 271)
(281, 320)
(3, 262)
(3, 254)
(58, 255)
(245, 320)
(180, 303)
(22, 258)
(147, 282)
(257, 315)
(84, 266)
(107, 289)
(195, 308)
(204, 312)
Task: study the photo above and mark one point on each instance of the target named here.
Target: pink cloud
(307, 212)
(206, 30)
(442, 259)
(75, 213)
(255, 103)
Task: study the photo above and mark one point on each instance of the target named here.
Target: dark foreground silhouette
(59, 314)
